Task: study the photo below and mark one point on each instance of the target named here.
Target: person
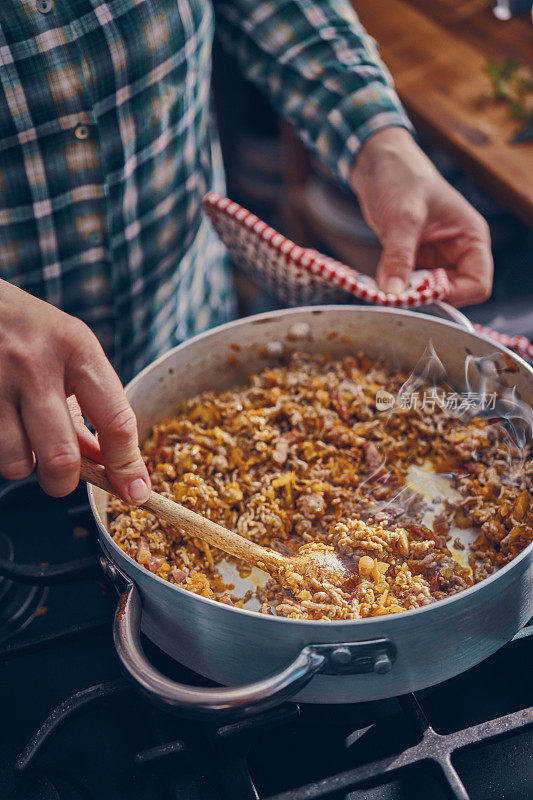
(107, 147)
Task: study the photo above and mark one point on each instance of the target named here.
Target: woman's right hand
(52, 371)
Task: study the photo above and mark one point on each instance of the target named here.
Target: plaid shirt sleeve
(320, 68)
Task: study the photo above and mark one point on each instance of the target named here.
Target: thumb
(397, 260)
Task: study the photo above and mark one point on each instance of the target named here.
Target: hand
(51, 369)
(420, 219)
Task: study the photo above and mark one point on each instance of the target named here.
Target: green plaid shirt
(107, 147)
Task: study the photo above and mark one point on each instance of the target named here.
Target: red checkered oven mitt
(302, 276)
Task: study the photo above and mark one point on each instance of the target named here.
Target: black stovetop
(74, 729)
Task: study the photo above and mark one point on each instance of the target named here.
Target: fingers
(466, 290)
(398, 258)
(458, 240)
(46, 356)
(471, 280)
(50, 430)
(102, 399)
(16, 457)
(88, 443)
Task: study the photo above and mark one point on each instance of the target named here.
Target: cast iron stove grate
(77, 729)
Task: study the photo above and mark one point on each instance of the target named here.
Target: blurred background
(464, 71)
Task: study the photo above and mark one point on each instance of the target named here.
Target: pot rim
(447, 601)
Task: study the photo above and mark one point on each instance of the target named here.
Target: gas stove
(75, 729)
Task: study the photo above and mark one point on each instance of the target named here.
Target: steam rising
(483, 377)
(513, 418)
(510, 418)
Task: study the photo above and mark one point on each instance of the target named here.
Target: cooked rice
(300, 456)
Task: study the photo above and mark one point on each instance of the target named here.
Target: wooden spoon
(317, 566)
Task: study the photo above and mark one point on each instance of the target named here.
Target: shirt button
(44, 6)
(95, 237)
(81, 132)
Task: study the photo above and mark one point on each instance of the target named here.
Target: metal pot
(266, 659)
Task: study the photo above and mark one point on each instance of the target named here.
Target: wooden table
(436, 51)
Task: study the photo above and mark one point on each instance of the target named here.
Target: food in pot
(301, 458)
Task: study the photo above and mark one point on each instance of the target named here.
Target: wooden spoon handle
(189, 521)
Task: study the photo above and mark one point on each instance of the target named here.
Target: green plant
(512, 83)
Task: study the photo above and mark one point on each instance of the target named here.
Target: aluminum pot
(265, 659)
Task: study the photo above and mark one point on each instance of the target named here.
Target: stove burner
(49, 787)
(26, 494)
(400, 748)
(18, 602)
(460, 740)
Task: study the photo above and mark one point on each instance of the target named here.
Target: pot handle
(332, 659)
(454, 315)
